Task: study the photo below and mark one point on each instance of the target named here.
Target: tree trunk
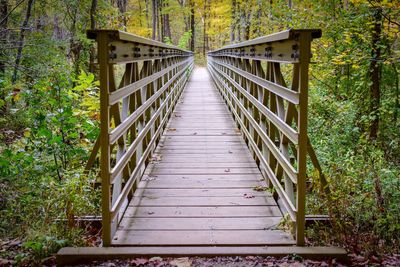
(238, 34)
(154, 19)
(122, 9)
(167, 27)
(205, 21)
(22, 39)
(233, 21)
(375, 93)
(247, 24)
(192, 26)
(147, 14)
(397, 94)
(92, 27)
(3, 33)
(160, 21)
(257, 24)
(3, 38)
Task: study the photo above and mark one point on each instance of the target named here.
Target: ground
(249, 261)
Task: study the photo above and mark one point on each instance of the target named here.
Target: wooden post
(305, 55)
(102, 39)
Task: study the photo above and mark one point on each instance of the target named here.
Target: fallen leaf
(139, 261)
(181, 262)
(171, 129)
(155, 259)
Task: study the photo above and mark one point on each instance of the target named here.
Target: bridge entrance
(201, 159)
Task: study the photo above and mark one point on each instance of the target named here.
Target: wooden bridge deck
(199, 189)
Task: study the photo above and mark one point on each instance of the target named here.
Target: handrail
(134, 114)
(271, 115)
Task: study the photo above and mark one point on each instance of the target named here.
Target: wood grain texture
(198, 189)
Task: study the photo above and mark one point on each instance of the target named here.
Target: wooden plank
(201, 201)
(205, 158)
(208, 171)
(201, 183)
(200, 115)
(201, 132)
(212, 192)
(219, 138)
(188, 238)
(79, 255)
(179, 178)
(214, 124)
(201, 145)
(256, 223)
(198, 150)
(186, 144)
(193, 165)
(200, 212)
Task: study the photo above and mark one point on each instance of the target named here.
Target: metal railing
(271, 115)
(134, 114)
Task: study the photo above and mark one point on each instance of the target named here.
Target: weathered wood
(200, 183)
(209, 171)
(186, 224)
(202, 238)
(204, 177)
(201, 212)
(209, 192)
(71, 256)
(196, 201)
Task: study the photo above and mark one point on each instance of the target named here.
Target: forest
(49, 107)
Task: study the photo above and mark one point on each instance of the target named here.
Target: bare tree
(22, 40)
(233, 21)
(93, 9)
(374, 70)
(3, 30)
(154, 19)
(165, 21)
(122, 4)
(192, 26)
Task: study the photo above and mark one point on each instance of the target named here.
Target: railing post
(102, 40)
(304, 59)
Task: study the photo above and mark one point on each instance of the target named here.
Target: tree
(122, 4)
(374, 70)
(192, 26)
(155, 24)
(233, 21)
(93, 10)
(20, 44)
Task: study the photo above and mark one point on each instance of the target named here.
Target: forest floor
(249, 261)
(15, 250)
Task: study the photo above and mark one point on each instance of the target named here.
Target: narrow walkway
(199, 189)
